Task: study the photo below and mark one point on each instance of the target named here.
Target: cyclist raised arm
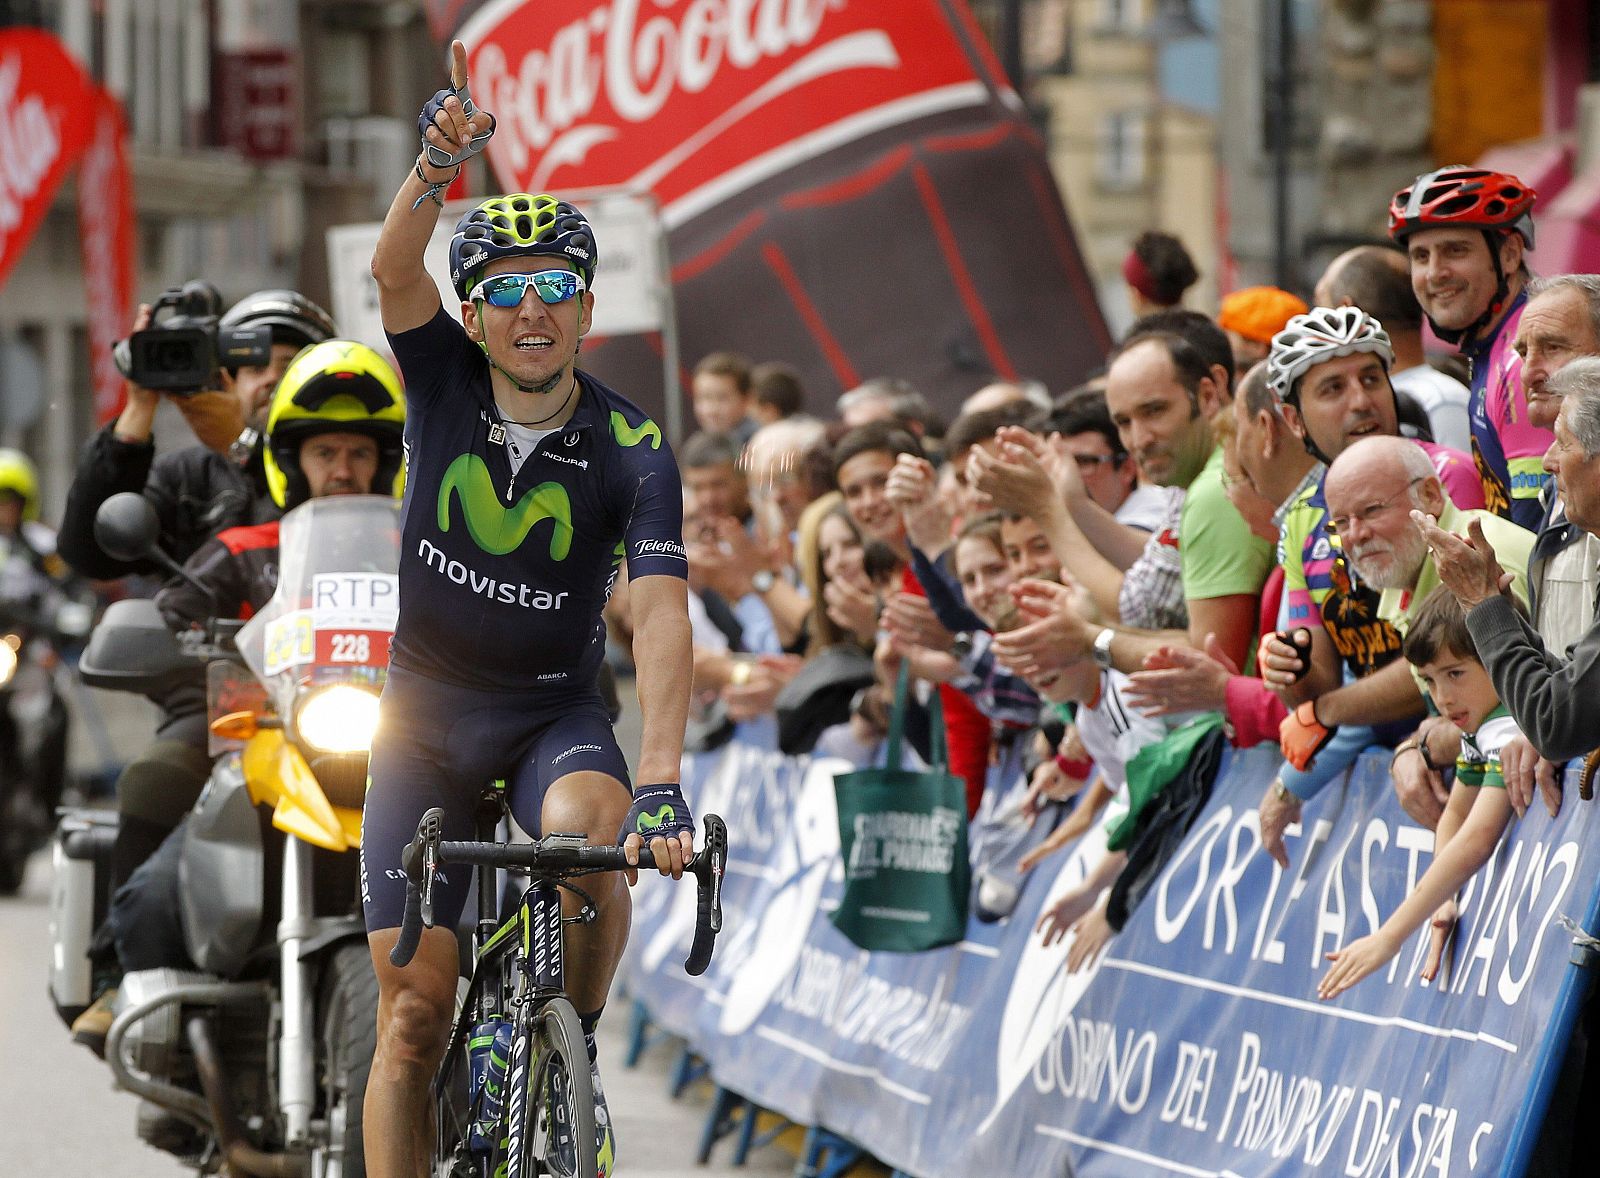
(528, 484)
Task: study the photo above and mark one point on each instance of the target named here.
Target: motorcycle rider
(334, 426)
(197, 491)
(31, 578)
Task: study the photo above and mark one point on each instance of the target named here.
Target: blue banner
(1196, 1045)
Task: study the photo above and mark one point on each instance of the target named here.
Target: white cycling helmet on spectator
(1322, 334)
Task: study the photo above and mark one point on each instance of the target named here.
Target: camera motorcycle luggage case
(80, 895)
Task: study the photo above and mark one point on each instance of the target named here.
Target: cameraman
(197, 492)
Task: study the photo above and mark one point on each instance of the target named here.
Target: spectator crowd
(1303, 524)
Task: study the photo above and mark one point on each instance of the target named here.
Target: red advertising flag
(45, 105)
(106, 226)
(848, 185)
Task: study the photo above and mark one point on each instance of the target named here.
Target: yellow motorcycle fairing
(276, 774)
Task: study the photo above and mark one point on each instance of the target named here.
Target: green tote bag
(903, 835)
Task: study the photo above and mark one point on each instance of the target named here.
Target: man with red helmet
(1465, 231)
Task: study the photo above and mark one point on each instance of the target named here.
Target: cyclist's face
(534, 341)
(1452, 273)
(339, 464)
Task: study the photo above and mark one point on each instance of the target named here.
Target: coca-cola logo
(667, 94)
(30, 143)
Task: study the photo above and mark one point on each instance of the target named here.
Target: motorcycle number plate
(352, 648)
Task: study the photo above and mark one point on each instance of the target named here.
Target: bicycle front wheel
(553, 1125)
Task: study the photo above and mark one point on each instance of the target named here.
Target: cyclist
(1465, 231)
(529, 482)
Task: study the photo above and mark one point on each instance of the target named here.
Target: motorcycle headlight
(9, 646)
(338, 719)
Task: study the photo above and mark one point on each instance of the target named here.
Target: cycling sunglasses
(552, 286)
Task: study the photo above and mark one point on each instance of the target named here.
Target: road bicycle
(514, 1095)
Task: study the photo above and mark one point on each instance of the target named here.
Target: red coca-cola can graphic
(847, 185)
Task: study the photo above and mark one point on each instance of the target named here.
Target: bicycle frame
(519, 962)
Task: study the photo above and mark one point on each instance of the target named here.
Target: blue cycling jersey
(503, 574)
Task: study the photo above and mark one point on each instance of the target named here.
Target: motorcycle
(254, 1057)
(38, 622)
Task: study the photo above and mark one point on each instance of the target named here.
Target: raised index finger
(458, 64)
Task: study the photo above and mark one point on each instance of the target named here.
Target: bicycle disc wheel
(556, 1133)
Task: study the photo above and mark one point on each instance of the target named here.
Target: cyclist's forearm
(663, 658)
(397, 261)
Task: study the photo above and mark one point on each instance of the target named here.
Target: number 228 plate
(352, 648)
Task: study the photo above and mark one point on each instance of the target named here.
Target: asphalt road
(62, 1116)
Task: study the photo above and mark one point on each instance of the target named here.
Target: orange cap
(1259, 312)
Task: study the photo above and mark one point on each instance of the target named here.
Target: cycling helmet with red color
(519, 225)
(1458, 195)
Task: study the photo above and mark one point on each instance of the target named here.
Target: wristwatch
(1102, 648)
(763, 580)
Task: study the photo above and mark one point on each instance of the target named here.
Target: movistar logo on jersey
(628, 436)
(499, 528)
(657, 820)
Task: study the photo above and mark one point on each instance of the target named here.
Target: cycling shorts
(438, 745)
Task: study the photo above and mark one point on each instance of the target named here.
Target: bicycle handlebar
(555, 855)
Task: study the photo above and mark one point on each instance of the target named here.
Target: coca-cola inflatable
(848, 185)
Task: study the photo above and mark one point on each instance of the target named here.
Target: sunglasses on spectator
(552, 286)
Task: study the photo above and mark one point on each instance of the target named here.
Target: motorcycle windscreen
(334, 611)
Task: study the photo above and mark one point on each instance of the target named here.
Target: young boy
(1440, 646)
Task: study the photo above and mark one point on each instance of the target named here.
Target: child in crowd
(1440, 646)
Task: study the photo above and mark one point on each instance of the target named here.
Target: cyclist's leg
(415, 1004)
(575, 780)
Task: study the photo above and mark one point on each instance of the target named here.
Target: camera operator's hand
(216, 415)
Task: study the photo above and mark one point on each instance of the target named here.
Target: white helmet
(1322, 333)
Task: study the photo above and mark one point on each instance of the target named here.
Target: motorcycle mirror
(126, 527)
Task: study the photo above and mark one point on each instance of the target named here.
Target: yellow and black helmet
(337, 386)
(517, 225)
(18, 476)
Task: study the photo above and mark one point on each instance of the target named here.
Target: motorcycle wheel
(348, 1035)
(560, 1141)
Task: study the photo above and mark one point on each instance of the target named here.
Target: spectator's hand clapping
(852, 606)
(913, 488)
(756, 695)
(1055, 637)
(1016, 479)
(912, 622)
(1182, 679)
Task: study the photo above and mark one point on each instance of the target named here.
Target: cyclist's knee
(591, 804)
(416, 1021)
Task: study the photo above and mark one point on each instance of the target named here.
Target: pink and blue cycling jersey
(1507, 447)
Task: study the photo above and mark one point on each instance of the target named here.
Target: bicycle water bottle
(489, 1050)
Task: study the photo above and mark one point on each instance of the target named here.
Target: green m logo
(627, 436)
(660, 818)
(494, 527)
